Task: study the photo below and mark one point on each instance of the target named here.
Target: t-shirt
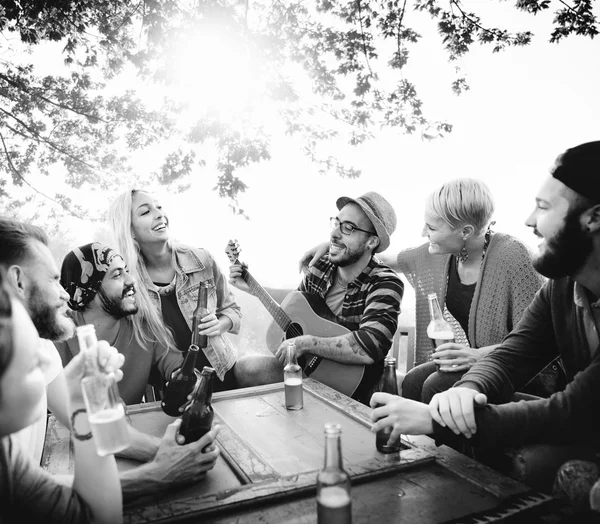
(32, 438)
(30, 494)
(335, 298)
(138, 361)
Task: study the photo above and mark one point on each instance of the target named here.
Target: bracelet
(78, 436)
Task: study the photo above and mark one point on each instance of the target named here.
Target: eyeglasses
(346, 227)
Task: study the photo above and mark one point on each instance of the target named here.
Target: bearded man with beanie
(563, 319)
(360, 291)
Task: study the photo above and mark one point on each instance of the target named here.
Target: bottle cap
(332, 429)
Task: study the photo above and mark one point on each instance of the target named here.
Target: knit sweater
(506, 285)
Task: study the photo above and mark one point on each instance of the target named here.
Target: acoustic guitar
(299, 314)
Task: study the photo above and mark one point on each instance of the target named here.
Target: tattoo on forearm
(356, 348)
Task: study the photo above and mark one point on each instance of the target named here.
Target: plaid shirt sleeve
(380, 318)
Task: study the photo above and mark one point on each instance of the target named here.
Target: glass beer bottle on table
(292, 379)
(390, 385)
(105, 408)
(334, 504)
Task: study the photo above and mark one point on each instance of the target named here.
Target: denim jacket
(193, 265)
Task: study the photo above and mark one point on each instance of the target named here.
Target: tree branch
(476, 24)
(362, 34)
(39, 138)
(19, 175)
(571, 9)
(34, 93)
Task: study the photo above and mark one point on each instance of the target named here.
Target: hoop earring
(463, 256)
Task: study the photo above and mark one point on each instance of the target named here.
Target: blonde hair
(148, 324)
(462, 201)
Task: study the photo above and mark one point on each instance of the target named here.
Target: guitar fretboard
(283, 321)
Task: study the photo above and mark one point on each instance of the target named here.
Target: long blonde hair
(148, 324)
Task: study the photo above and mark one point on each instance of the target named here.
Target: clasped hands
(454, 409)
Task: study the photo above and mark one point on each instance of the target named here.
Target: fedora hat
(380, 213)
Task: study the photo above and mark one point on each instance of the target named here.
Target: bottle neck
(390, 384)
(203, 391)
(291, 356)
(86, 337)
(189, 363)
(202, 304)
(435, 312)
(333, 451)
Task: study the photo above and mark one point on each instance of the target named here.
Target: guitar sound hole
(295, 330)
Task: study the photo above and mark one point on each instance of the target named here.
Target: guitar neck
(283, 321)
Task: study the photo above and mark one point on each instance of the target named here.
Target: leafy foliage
(84, 123)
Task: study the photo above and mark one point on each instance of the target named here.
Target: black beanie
(579, 169)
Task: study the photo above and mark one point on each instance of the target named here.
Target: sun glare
(215, 73)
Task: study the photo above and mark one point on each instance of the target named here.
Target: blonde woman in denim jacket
(171, 274)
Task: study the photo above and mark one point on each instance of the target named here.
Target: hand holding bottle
(109, 361)
(209, 326)
(452, 357)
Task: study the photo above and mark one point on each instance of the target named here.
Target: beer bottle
(200, 312)
(333, 483)
(390, 385)
(292, 379)
(105, 408)
(439, 329)
(181, 384)
(198, 415)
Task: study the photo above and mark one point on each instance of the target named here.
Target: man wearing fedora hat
(362, 293)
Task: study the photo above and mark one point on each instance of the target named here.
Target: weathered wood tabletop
(270, 458)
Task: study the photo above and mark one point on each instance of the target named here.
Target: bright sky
(525, 106)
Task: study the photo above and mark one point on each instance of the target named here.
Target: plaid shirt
(372, 302)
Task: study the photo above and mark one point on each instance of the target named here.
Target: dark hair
(15, 239)
(6, 339)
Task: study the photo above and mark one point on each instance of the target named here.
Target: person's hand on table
(455, 409)
(404, 416)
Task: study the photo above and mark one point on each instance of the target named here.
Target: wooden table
(270, 458)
